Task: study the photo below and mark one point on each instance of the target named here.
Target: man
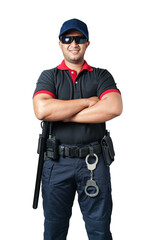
(78, 99)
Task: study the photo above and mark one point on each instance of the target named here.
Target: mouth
(74, 52)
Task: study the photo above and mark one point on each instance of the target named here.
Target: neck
(75, 66)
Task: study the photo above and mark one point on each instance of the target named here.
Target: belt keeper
(80, 153)
(62, 151)
(67, 151)
(91, 151)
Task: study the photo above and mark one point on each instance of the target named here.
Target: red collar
(63, 66)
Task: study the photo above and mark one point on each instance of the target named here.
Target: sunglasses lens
(69, 39)
(66, 40)
(80, 39)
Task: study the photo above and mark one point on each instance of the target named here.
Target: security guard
(78, 99)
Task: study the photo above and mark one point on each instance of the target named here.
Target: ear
(88, 43)
(60, 44)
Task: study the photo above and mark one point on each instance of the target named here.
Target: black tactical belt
(80, 152)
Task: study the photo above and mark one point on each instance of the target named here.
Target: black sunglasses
(69, 39)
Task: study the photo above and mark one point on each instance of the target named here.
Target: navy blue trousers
(60, 181)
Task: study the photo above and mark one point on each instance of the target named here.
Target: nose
(74, 43)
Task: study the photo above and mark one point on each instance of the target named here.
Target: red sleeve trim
(44, 91)
(108, 91)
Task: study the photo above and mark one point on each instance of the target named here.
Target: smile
(74, 51)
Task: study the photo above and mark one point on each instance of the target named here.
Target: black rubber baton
(41, 151)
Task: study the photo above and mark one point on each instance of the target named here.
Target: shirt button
(76, 82)
(72, 72)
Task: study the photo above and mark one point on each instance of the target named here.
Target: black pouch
(107, 149)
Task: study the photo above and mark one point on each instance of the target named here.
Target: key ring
(91, 183)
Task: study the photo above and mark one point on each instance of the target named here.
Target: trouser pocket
(47, 171)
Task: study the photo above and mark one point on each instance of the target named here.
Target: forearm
(104, 110)
(92, 115)
(58, 110)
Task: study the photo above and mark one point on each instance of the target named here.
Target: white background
(29, 44)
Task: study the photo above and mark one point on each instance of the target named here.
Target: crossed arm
(84, 110)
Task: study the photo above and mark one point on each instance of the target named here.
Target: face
(73, 52)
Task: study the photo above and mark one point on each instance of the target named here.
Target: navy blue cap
(74, 24)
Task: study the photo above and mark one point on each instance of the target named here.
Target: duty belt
(78, 151)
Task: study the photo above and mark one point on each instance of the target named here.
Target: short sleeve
(106, 84)
(45, 84)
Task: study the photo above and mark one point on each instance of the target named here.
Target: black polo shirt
(63, 83)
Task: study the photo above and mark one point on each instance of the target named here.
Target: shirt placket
(73, 76)
(76, 91)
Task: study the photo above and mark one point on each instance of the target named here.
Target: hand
(92, 101)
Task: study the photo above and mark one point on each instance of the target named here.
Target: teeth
(74, 51)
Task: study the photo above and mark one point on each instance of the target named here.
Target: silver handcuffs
(91, 182)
